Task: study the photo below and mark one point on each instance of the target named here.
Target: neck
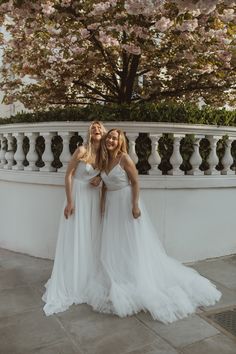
(111, 155)
(95, 146)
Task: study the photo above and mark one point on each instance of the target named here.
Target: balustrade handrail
(132, 127)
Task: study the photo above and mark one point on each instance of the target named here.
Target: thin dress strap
(120, 159)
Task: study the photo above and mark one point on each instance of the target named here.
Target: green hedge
(145, 112)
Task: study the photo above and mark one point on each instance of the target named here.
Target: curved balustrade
(187, 178)
(14, 157)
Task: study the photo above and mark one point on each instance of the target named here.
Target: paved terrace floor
(25, 329)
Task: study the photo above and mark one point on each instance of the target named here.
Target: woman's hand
(136, 212)
(69, 210)
(95, 181)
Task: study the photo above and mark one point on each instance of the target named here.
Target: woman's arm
(78, 154)
(132, 173)
(95, 181)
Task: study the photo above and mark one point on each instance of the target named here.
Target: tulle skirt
(76, 251)
(135, 272)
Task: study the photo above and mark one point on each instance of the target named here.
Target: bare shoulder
(126, 159)
(79, 153)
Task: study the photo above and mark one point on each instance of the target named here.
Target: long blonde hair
(89, 154)
(102, 155)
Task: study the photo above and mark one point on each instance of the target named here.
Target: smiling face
(112, 140)
(96, 132)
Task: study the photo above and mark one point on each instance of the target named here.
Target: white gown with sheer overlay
(135, 273)
(76, 245)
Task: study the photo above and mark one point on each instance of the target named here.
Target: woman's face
(112, 140)
(96, 132)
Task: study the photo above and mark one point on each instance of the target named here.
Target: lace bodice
(116, 179)
(84, 172)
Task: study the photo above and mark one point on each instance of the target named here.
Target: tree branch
(178, 92)
(94, 90)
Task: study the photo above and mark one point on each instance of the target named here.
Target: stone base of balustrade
(176, 173)
(62, 169)
(211, 172)
(31, 168)
(155, 172)
(48, 169)
(7, 167)
(195, 173)
(228, 172)
(18, 168)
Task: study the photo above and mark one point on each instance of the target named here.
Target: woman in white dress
(135, 272)
(76, 249)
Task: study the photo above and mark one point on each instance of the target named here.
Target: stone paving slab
(64, 347)
(105, 334)
(24, 329)
(155, 348)
(9, 259)
(29, 330)
(183, 332)
(221, 271)
(11, 278)
(219, 344)
(17, 300)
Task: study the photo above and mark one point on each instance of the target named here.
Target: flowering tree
(118, 51)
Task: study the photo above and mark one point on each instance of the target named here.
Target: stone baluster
(9, 156)
(227, 159)
(154, 159)
(132, 153)
(196, 158)
(2, 150)
(212, 158)
(32, 156)
(84, 135)
(65, 155)
(47, 156)
(19, 154)
(176, 158)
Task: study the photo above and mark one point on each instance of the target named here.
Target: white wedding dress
(76, 250)
(135, 272)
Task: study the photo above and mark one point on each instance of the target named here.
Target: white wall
(193, 224)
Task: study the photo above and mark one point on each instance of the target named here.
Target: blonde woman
(78, 230)
(135, 272)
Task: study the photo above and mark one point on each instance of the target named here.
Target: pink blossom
(107, 40)
(73, 39)
(132, 49)
(188, 25)
(185, 6)
(94, 26)
(188, 55)
(48, 8)
(54, 30)
(140, 32)
(77, 50)
(101, 7)
(144, 7)
(163, 24)
(66, 3)
(84, 33)
(228, 15)
(207, 6)
(224, 55)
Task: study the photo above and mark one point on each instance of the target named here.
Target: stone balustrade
(187, 175)
(14, 156)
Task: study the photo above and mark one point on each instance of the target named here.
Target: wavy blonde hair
(102, 155)
(89, 155)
